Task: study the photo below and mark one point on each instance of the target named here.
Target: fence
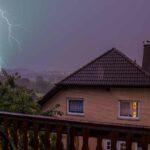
(18, 131)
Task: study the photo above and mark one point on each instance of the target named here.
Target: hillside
(39, 81)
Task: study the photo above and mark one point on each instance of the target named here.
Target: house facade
(111, 89)
(126, 106)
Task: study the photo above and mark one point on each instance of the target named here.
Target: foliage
(53, 111)
(14, 98)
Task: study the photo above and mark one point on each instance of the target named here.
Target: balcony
(19, 131)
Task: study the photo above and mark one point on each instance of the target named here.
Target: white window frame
(128, 117)
(119, 144)
(106, 143)
(74, 113)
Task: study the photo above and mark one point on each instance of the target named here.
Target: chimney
(146, 57)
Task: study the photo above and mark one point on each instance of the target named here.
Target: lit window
(129, 109)
(75, 106)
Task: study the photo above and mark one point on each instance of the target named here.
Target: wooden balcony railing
(27, 132)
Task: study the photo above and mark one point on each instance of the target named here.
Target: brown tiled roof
(113, 68)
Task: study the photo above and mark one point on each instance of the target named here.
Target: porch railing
(39, 132)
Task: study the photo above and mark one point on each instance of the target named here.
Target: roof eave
(59, 87)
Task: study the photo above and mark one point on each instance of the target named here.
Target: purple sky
(66, 34)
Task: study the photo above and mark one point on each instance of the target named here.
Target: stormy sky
(66, 34)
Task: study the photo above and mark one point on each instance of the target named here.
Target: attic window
(129, 109)
(75, 106)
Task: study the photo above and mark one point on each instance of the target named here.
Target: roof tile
(111, 69)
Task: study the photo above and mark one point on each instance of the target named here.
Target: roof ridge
(92, 61)
(133, 63)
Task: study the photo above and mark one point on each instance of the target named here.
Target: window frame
(74, 113)
(128, 117)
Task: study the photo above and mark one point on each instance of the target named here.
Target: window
(129, 109)
(106, 144)
(75, 106)
(121, 145)
(138, 146)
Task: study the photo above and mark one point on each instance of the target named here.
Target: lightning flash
(11, 37)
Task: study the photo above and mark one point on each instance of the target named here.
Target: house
(110, 89)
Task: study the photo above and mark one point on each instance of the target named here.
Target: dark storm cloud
(64, 34)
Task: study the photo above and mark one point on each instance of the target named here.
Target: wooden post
(47, 138)
(144, 142)
(25, 135)
(128, 142)
(36, 136)
(99, 143)
(113, 136)
(59, 138)
(6, 134)
(70, 138)
(16, 136)
(85, 139)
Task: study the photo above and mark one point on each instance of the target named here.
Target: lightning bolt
(11, 37)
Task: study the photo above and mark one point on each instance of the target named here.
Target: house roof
(112, 69)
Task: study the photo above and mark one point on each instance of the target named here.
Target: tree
(14, 98)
